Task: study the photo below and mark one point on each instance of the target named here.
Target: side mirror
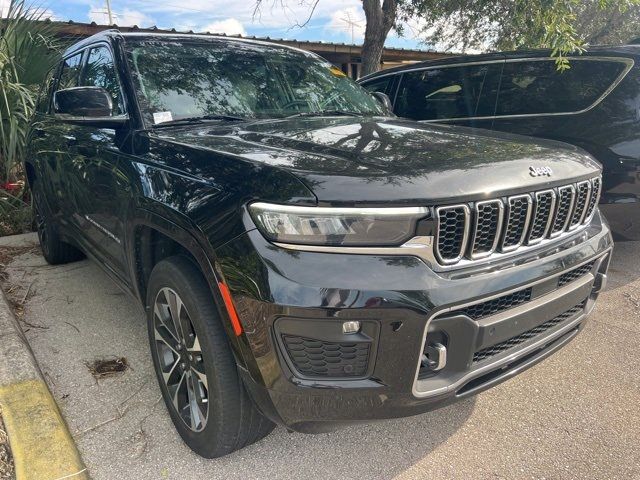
(384, 99)
(87, 106)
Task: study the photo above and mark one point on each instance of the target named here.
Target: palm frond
(28, 50)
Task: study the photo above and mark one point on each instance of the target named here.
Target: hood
(355, 160)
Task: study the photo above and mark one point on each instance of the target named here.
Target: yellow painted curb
(40, 442)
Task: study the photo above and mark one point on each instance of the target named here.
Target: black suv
(304, 257)
(594, 105)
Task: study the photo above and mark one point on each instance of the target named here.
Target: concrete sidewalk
(575, 415)
(40, 442)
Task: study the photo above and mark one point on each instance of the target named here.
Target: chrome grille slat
(488, 223)
(518, 216)
(596, 188)
(583, 192)
(544, 206)
(503, 225)
(452, 232)
(566, 198)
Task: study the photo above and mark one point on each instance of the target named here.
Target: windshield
(186, 79)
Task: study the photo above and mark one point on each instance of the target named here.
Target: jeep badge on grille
(540, 171)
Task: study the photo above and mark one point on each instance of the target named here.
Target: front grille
(518, 213)
(488, 222)
(317, 358)
(544, 205)
(494, 350)
(497, 305)
(566, 197)
(476, 230)
(575, 274)
(582, 201)
(596, 187)
(453, 226)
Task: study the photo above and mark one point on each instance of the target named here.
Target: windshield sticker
(161, 117)
(337, 72)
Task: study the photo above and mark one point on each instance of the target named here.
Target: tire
(54, 250)
(228, 420)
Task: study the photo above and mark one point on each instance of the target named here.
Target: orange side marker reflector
(231, 309)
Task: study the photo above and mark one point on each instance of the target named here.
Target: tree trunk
(380, 19)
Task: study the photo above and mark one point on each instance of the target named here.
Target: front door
(94, 176)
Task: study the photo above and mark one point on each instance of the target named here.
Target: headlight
(336, 226)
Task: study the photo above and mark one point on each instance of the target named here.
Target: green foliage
(27, 53)
(563, 26)
(609, 24)
(15, 214)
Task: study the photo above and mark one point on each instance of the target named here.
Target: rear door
(456, 94)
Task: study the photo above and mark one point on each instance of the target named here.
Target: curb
(41, 444)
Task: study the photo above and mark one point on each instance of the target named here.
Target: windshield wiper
(200, 119)
(326, 113)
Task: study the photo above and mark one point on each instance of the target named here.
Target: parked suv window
(538, 87)
(453, 92)
(70, 72)
(100, 72)
(379, 85)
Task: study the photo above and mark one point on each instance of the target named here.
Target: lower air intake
(528, 335)
(320, 359)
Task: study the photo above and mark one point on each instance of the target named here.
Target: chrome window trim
(565, 226)
(572, 225)
(525, 228)
(503, 361)
(628, 61)
(496, 240)
(465, 236)
(547, 228)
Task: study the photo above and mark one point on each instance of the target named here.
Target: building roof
(74, 31)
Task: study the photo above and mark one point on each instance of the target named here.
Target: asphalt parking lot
(576, 415)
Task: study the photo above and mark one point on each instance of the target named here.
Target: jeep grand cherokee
(305, 258)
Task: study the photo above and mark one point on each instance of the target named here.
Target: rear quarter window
(537, 87)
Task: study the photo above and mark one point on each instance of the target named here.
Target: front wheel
(194, 364)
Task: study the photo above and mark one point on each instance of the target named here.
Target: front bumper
(305, 374)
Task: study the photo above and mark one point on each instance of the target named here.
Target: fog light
(351, 327)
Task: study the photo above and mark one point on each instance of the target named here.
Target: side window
(447, 93)
(537, 87)
(379, 84)
(101, 72)
(70, 72)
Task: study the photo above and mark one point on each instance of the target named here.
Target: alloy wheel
(180, 359)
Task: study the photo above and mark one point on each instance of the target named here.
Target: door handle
(71, 140)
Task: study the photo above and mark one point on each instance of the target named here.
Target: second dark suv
(594, 105)
(304, 257)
